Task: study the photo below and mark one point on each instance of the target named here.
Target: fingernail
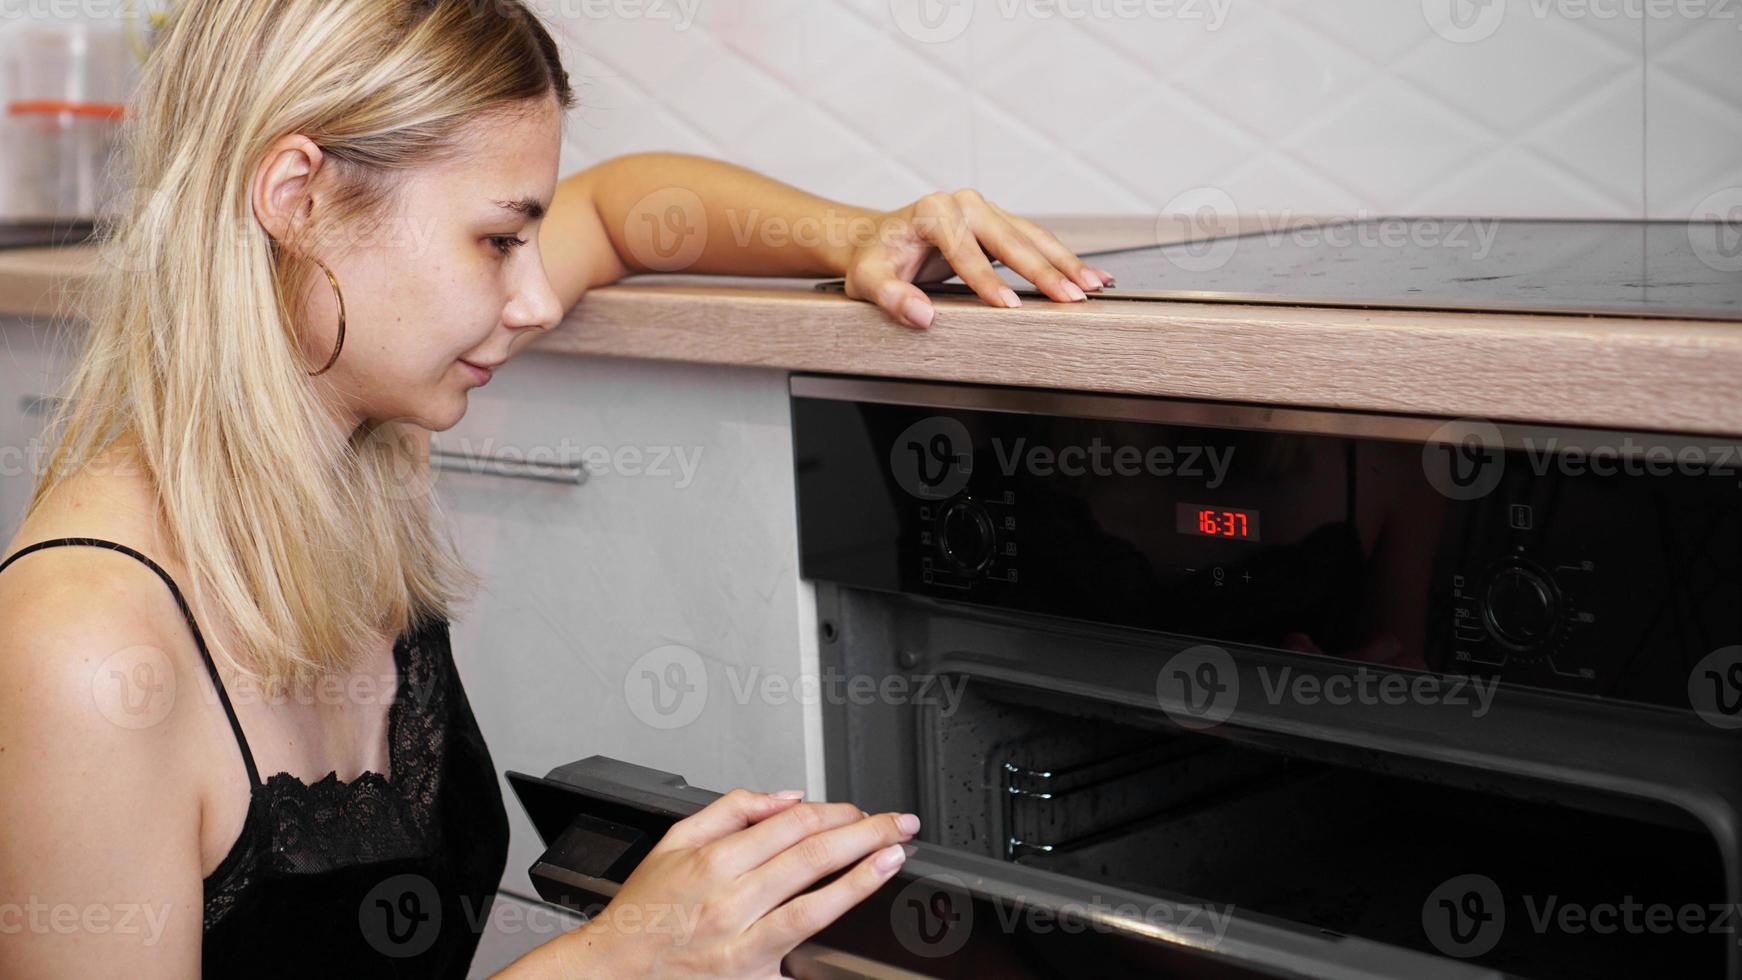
(917, 312)
(1010, 298)
(1106, 277)
(1089, 278)
(908, 823)
(789, 794)
(1074, 291)
(888, 859)
(909, 850)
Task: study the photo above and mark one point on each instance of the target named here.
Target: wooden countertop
(1610, 372)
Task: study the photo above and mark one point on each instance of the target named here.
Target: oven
(1199, 689)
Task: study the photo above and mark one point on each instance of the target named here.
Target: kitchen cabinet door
(29, 374)
(654, 612)
(517, 926)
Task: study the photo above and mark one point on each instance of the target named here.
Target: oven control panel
(1529, 556)
(968, 538)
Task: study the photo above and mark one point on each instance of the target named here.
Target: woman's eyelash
(506, 243)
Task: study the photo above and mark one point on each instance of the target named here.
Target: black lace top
(381, 876)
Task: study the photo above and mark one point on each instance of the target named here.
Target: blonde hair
(300, 545)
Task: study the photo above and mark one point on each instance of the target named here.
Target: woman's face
(437, 289)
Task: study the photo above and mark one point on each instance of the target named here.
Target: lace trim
(294, 827)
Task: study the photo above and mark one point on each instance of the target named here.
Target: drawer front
(29, 378)
(677, 545)
(516, 927)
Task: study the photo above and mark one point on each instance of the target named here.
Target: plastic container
(66, 91)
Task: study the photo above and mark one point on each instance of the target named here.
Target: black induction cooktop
(1673, 269)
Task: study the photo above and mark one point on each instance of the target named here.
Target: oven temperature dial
(965, 535)
(1521, 606)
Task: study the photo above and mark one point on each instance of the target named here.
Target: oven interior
(1350, 842)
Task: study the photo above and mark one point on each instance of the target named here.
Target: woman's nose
(534, 304)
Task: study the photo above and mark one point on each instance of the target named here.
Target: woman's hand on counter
(723, 893)
(961, 233)
(679, 213)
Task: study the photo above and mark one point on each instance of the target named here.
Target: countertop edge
(1619, 373)
(1669, 375)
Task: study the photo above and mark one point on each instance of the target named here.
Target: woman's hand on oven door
(723, 893)
(961, 233)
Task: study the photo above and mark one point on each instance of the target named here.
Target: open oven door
(948, 913)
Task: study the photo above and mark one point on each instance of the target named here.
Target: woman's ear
(281, 184)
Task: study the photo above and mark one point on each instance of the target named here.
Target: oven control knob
(965, 535)
(1521, 606)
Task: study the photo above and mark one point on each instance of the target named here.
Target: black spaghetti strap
(187, 614)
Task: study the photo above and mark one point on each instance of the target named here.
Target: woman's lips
(483, 374)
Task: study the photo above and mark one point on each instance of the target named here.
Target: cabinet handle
(39, 405)
(573, 474)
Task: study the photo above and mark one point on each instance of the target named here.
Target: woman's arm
(669, 212)
(99, 819)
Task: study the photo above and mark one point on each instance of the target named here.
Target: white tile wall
(1693, 107)
(1506, 107)
(1533, 107)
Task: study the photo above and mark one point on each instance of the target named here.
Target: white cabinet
(28, 372)
(654, 613)
(516, 927)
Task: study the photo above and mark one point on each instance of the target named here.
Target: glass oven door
(950, 913)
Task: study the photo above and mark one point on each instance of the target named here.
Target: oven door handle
(951, 913)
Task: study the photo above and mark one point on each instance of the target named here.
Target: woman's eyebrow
(530, 206)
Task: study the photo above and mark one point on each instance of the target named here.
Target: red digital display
(1208, 521)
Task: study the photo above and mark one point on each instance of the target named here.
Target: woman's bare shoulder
(90, 636)
(75, 614)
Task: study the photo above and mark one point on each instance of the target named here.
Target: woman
(346, 214)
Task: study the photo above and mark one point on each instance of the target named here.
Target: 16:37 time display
(1205, 520)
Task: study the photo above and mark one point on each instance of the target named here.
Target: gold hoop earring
(340, 296)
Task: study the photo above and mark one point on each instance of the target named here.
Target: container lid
(52, 107)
